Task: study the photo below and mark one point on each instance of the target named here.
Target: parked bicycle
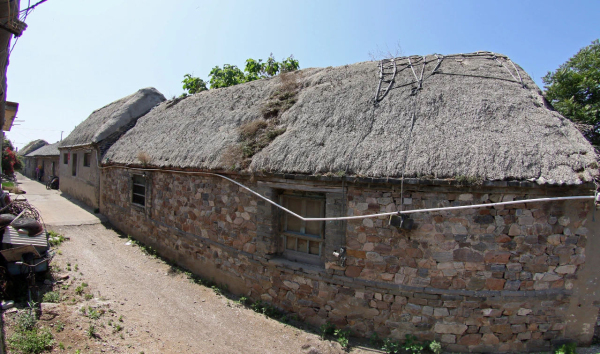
(52, 182)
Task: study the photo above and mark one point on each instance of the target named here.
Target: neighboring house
(45, 162)
(32, 146)
(29, 164)
(452, 130)
(87, 143)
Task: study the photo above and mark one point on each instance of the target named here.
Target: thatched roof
(47, 150)
(473, 117)
(32, 146)
(113, 118)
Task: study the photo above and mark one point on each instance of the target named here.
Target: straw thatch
(114, 118)
(32, 146)
(47, 150)
(473, 117)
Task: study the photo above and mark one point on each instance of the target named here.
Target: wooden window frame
(87, 156)
(139, 195)
(295, 254)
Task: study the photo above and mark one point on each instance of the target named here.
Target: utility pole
(62, 131)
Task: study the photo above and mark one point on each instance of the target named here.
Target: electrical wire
(538, 200)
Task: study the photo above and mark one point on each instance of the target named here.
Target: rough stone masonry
(493, 279)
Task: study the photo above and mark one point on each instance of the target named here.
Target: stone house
(374, 138)
(29, 164)
(82, 150)
(45, 157)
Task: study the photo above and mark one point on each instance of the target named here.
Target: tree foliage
(193, 84)
(574, 88)
(230, 75)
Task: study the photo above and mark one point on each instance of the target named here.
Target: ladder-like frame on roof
(385, 76)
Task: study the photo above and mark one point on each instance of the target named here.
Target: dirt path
(164, 312)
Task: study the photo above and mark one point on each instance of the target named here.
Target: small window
(74, 165)
(138, 195)
(66, 158)
(86, 159)
(302, 240)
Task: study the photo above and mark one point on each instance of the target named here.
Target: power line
(33, 7)
(45, 130)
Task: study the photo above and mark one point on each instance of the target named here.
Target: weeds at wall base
(28, 337)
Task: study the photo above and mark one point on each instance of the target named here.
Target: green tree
(574, 88)
(271, 66)
(229, 75)
(254, 69)
(289, 64)
(193, 84)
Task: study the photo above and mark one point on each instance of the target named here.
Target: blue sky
(77, 56)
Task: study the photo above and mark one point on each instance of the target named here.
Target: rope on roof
(439, 58)
(418, 80)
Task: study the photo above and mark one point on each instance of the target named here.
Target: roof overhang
(10, 112)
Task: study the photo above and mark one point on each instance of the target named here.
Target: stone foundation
(495, 279)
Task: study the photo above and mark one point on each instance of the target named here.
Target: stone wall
(495, 279)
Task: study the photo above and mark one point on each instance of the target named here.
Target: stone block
(526, 220)
(548, 277)
(291, 285)
(564, 221)
(566, 269)
(470, 339)
(495, 284)
(467, 197)
(497, 257)
(448, 338)
(512, 285)
(524, 312)
(467, 255)
(356, 253)
(399, 278)
(483, 219)
(472, 329)
(443, 256)
(554, 240)
(518, 328)
(449, 328)
(440, 312)
(413, 309)
(476, 283)
(489, 339)
(515, 230)
(374, 257)
(492, 312)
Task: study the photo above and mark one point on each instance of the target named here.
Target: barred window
(302, 240)
(138, 195)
